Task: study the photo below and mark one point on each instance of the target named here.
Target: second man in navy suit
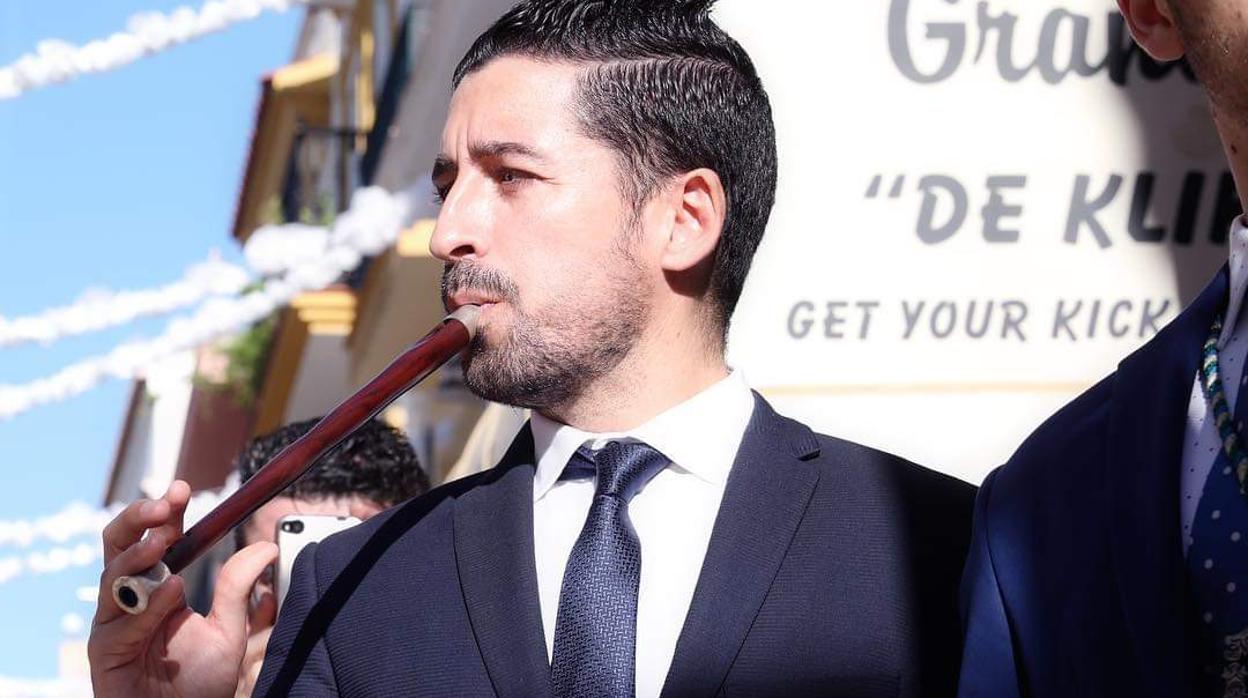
(1110, 555)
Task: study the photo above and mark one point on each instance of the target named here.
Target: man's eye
(440, 193)
(510, 176)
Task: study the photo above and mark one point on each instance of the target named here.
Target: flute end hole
(127, 597)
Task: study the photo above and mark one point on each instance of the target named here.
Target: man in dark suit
(1108, 554)
(607, 171)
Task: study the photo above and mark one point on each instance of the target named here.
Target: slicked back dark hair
(376, 462)
(669, 92)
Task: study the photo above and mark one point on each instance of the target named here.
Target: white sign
(983, 207)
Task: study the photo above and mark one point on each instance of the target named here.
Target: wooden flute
(449, 338)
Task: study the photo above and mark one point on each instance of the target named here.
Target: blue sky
(119, 180)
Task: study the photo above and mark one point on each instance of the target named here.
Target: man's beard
(1218, 53)
(549, 358)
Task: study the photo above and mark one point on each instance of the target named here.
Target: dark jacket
(832, 570)
(1076, 583)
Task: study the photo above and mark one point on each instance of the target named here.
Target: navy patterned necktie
(596, 626)
(1218, 569)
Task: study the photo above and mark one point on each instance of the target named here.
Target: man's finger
(238, 575)
(128, 526)
(132, 560)
(177, 496)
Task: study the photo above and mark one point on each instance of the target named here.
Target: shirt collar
(700, 435)
(1239, 280)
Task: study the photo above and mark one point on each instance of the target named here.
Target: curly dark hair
(376, 462)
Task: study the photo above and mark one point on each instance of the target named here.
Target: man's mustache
(471, 276)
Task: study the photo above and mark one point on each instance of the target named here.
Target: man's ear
(1153, 26)
(700, 206)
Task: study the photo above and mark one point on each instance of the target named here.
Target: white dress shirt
(673, 514)
(1201, 442)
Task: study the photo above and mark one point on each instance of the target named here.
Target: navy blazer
(1076, 584)
(832, 570)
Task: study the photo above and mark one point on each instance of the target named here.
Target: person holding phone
(372, 470)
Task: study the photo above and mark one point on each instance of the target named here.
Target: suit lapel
(494, 554)
(767, 493)
(1147, 423)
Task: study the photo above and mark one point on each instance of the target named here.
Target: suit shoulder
(827, 451)
(416, 522)
(871, 470)
(908, 476)
(1062, 446)
(929, 512)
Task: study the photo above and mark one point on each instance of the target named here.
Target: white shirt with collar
(673, 514)
(1201, 442)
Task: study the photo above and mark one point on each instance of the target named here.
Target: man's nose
(463, 223)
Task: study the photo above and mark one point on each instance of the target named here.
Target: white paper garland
(54, 61)
(370, 225)
(48, 561)
(97, 310)
(76, 519)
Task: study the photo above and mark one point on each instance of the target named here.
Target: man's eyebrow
(442, 166)
(493, 149)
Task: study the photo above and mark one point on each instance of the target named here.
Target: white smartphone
(294, 531)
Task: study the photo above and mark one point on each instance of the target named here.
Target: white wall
(151, 457)
(321, 380)
(846, 113)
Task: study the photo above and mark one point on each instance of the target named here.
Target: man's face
(1215, 38)
(534, 227)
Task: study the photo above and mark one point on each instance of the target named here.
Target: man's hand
(260, 620)
(253, 661)
(168, 649)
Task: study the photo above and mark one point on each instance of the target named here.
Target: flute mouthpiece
(467, 316)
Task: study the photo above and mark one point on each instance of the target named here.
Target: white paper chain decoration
(98, 310)
(81, 520)
(54, 61)
(370, 225)
(49, 561)
(76, 519)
